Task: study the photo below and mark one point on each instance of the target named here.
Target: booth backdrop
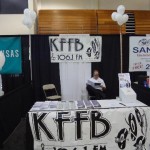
(46, 72)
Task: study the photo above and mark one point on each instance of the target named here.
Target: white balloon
(121, 9)
(113, 16)
(2, 59)
(120, 23)
(30, 23)
(29, 26)
(27, 22)
(33, 15)
(118, 17)
(27, 12)
(29, 18)
(125, 18)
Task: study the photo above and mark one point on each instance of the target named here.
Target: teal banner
(11, 48)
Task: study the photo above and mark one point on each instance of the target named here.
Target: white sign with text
(75, 48)
(91, 129)
(139, 53)
(124, 80)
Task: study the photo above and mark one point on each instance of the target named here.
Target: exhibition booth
(44, 79)
(115, 113)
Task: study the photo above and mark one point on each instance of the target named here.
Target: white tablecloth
(111, 126)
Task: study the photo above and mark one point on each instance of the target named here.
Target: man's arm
(103, 86)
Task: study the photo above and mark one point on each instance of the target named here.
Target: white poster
(91, 129)
(124, 80)
(139, 55)
(75, 48)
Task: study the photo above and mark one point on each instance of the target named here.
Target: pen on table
(122, 104)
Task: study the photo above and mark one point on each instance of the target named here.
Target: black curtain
(14, 106)
(44, 72)
(110, 64)
(109, 67)
(13, 81)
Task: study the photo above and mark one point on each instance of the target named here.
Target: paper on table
(136, 103)
(45, 106)
(95, 104)
(72, 105)
(53, 104)
(110, 103)
(36, 106)
(60, 105)
(88, 104)
(80, 104)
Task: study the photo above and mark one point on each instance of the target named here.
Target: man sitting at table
(96, 86)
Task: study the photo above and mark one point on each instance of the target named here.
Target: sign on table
(91, 129)
(124, 80)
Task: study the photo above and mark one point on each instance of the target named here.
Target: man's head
(96, 74)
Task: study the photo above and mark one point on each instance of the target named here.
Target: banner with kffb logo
(75, 48)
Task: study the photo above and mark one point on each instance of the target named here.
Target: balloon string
(121, 53)
(30, 57)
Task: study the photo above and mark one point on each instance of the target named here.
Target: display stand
(126, 93)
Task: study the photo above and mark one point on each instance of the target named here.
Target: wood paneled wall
(88, 22)
(67, 22)
(106, 25)
(142, 22)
